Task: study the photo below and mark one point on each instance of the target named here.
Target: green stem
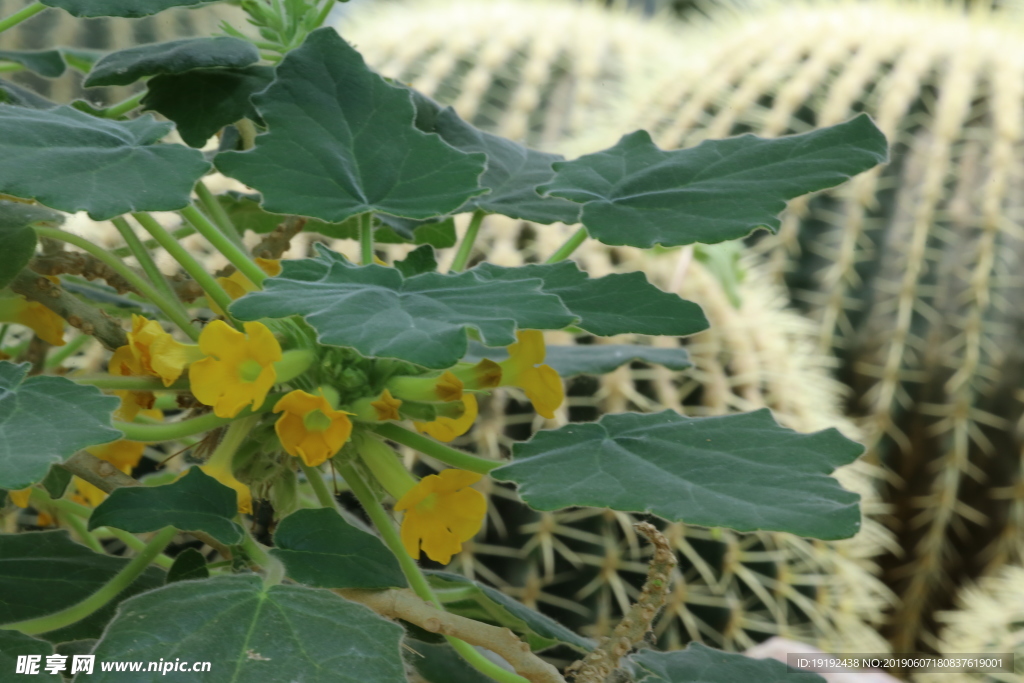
(3, 332)
(466, 248)
(191, 266)
(571, 244)
(21, 15)
(324, 11)
(177, 233)
(218, 214)
(82, 531)
(323, 494)
(238, 258)
(137, 383)
(151, 433)
(122, 108)
(144, 258)
(272, 567)
(385, 467)
(169, 308)
(68, 350)
(388, 532)
(11, 67)
(74, 510)
(104, 595)
(414, 575)
(366, 238)
(434, 449)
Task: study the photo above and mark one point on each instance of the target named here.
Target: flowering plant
(291, 381)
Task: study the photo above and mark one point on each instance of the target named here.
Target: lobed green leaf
(118, 8)
(189, 565)
(15, 644)
(321, 549)
(742, 471)
(341, 142)
(46, 63)
(638, 195)
(613, 304)
(17, 239)
(202, 101)
(196, 502)
(422, 319)
(28, 407)
(72, 161)
(251, 632)
(124, 67)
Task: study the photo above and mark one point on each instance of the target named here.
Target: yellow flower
(226, 477)
(20, 498)
(87, 494)
(445, 387)
(447, 428)
(157, 352)
(387, 406)
(123, 364)
(311, 428)
(541, 383)
(238, 285)
(14, 308)
(239, 370)
(441, 513)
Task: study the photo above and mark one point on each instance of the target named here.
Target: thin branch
(599, 664)
(79, 314)
(402, 603)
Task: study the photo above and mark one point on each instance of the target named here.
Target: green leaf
(118, 8)
(22, 97)
(440, 663)
(17, 238)
(494, 607)
(28, 408)
(638, 195)
(422, 319)
(47, 63)
(609, 305)
(341, 142)
(196, 502)
(253, 633)
(743, 471)
(42, 572)
(75, 162)
(202, 101)
(598, 359)
(189, 565)
(437, 232)
(701, 664)
(419, 260)
(321, 549)
(124, 67)
(513, 171)
(14, 644)
(56, 481)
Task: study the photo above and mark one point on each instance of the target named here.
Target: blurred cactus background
(889, 307)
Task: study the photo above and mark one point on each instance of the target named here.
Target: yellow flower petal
(448, 387)
(270, 266)
(219, 381)
(541, 383)
(441, 513)
(122, 454)
(448, 428)
(88, 494)
(387, 406)
(299, 439)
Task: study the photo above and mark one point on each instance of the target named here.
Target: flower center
(316, 421)
(249, 370)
